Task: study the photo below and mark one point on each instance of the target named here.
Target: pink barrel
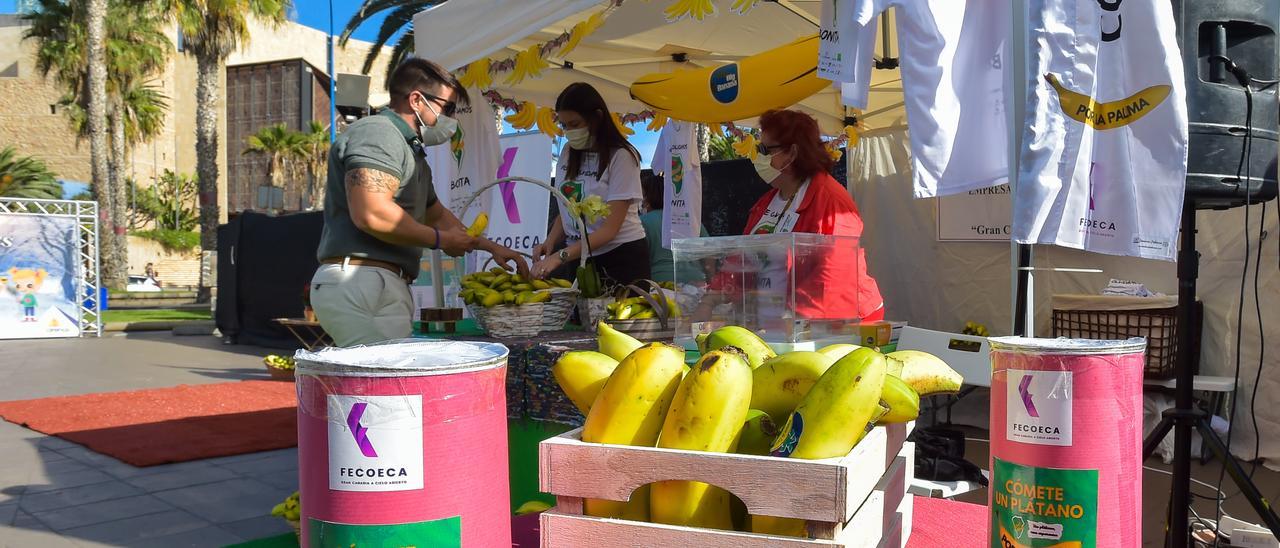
(404, 444)
(1066, 442)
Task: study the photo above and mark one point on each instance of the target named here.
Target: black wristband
(437, 244)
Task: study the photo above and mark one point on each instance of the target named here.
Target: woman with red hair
(792, 159)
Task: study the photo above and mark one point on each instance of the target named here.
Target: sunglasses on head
(767, 149)
(447, 108)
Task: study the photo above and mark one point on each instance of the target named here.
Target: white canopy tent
(635, 40)
(933, 284)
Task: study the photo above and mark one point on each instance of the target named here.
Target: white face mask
(438, 134)
(579, 138)
(764, 166)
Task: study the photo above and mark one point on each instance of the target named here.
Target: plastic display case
(789, 288)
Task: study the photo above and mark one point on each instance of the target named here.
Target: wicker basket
(593, 311)
(660, 329)
(509, 320)
(556, 312)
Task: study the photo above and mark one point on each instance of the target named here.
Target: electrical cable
(1244, 80)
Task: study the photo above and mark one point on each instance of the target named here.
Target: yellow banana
(479, 225)
(581, 374)
(837, 351)
(525, 117)
(541, 284)
(757, 350)
(626, 131)
(492, 299)
(659, 120)
(540, 297)
(902, 401)
(532, 507)
(758, 433)
(644, 313)
(923, 372)
(707, 414)
(829, 420)
(477, 75)
(546, 120)
(1111, 114)
(631, 409)
(777, 78)
(780, 383)
(614, 343)
(561, 282)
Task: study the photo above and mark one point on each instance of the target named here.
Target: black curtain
(264, 265)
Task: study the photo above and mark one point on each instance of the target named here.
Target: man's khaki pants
(361, 304)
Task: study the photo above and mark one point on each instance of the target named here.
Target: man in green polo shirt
(381, 210)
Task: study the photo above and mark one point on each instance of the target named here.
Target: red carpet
(163, 425)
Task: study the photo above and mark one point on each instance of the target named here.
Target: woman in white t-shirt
(598, 161)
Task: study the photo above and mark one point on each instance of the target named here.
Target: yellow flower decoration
(741, 7)
(547, 122)
(718, 128)
(658, 122)
(582, 30)
(746, 147)
(477, 75)
(626, 131)
(854, 134)
(697, 9)
(834, 151)
(529, 64)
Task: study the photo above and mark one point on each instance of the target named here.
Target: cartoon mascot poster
(38, 277)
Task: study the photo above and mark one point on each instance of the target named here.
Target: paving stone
(279, 479)
(54, 442)
(101, 512)
(259, 527)
(248, 456)
(19, 537)
(7, 513)
(130, 531)
(207, 537)
(89, 456)
(57, 482)
(185, 477)
(125, 471)
(76, 496)
(227, 501)
(280, 462)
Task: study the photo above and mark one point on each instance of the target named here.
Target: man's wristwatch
(564, 255)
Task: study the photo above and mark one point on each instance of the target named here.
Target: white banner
(978, 215)
(519, 212)
(468, 161)
(838, 37)
(1104, 159)
(676, 157)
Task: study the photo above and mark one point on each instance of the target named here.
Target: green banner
(441, 533)
(1043, 507)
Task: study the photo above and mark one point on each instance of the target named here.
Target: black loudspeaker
(1245, 32)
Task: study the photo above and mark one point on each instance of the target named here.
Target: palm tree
(211, 30)
(400, 18)
(316, 157)
(26, 177)
(136, 49)
(282, 147)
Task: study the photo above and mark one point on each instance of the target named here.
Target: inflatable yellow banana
(777, 78)
(524, 118)
(1111, 114)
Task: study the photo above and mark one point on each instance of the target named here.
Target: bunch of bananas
(976, 329)
(278, 362)
(637, 308)
(740, 397)
(290, 509)
(497, 286)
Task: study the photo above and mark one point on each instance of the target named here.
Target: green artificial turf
(153, 315)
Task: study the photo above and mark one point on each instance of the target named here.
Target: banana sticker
(1109, 115)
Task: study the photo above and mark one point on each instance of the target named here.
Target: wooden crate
(843, 499)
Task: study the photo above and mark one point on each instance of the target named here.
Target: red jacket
(823, 288)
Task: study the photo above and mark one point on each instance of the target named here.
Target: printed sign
(1043, 507)
(1039, 407)
(39, 277)
(983, 214)
(518, 216)
(375, 443)
(838, 35)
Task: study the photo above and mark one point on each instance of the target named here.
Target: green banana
(781, 382)
(829, 420)
(756, 349)
(758, 433)
(902, 401)
(614, 343)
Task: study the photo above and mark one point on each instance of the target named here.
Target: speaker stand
(1185, 416)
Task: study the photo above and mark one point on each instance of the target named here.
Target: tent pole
(1021, 255)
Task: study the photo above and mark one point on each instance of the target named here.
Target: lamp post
(333, 84)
